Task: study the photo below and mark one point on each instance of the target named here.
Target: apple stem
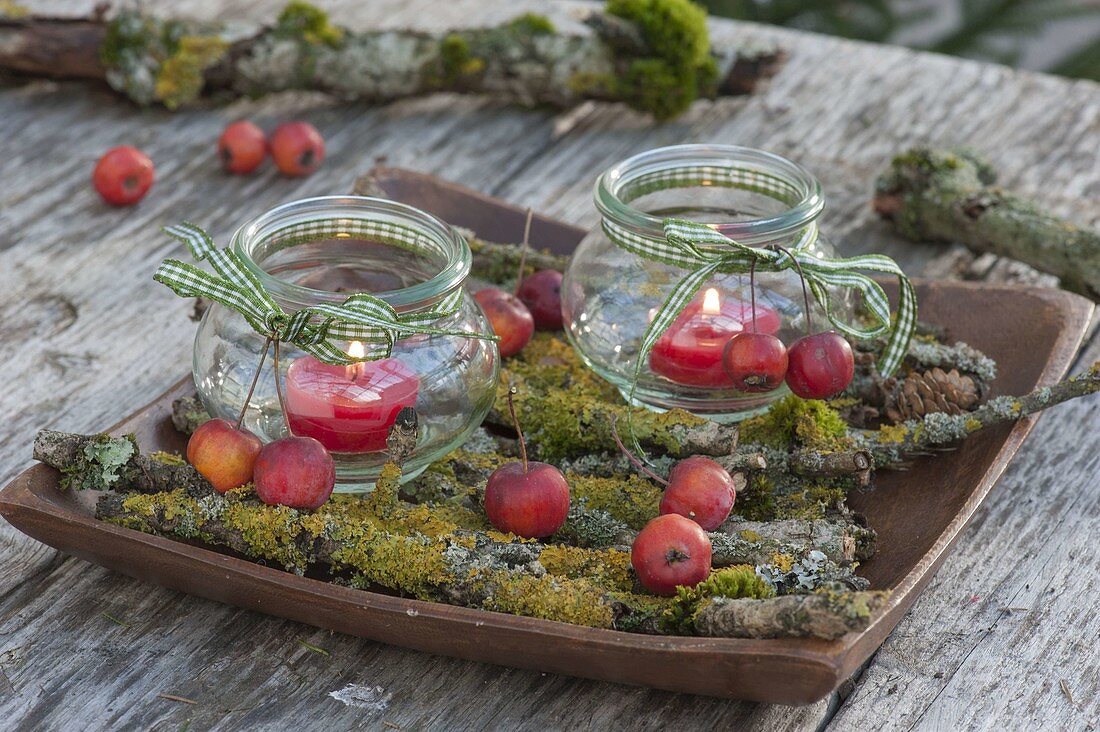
(255, 379)
(802, 277)
(523, 250)
(279, 387)
(752, 292)
(637, 463)
(519, 432)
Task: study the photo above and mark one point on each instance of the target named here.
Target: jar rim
(806, 197)
(453, 249)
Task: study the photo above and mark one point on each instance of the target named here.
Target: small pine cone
(932, 391)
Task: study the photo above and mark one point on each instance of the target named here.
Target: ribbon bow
(704, 251)
(360, 317)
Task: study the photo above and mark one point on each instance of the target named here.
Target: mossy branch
(101, 462)
(609, 506)
(950, 196)
(654, 55)
(829, 613)
(895, 444)
(424, 552)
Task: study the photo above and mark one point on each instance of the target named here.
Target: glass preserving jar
(319, 251)
(610, 294)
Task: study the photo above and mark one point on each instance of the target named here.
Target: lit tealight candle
(348, 408)
(690, 351)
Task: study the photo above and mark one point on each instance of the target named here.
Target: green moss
(308, 23)
(680, 68)
(565, 408)
(631, 499)
(756, 502)
(532, 24)
(639, 613)
(180, 78)
(159, 61)
(811, 499)
(457, 60)
(795, 422)
(736, 582)
(769, 497)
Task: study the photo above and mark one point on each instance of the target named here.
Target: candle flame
(355, 350)
(711, 303)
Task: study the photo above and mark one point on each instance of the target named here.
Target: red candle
(348, 408)
(690, 351)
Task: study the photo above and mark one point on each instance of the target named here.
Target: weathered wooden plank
(841, 108)
(1009, 618)
(243, 669)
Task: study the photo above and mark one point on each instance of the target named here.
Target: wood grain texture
(92, 338)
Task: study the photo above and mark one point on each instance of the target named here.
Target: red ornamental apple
(223, 454)
(541, 293)
(297, 148)
(527, 499)
(699, 489)
(242, 147)
(820, 365)
(510, 319)
(123, 175)
(294, 471)
(670, 552)
(757, 362)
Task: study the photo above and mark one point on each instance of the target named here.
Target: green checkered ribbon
(361, 317)
(703, 251)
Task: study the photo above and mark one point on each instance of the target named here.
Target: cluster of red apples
(292, 471)
(531, 499)
(816, 366)
(125, 174)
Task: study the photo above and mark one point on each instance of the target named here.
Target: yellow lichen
(180, 78)
(632, 499)
(10, 10)
(609, 568)
(167, 458)
(783, 562)
(553, 598)
(890, 434)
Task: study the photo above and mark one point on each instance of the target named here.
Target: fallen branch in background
(950, 196)
(654, 55)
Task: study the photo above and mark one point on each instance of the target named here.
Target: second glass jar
(610, 294)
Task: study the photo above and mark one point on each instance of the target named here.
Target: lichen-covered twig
(895, 444)
(942, 195)
(563, 423)
(188, 413)
(101, 462)
(666, 63)
(499, 263)
(416, 550)
(827, 614)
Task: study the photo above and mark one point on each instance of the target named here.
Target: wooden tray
(918, 514)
